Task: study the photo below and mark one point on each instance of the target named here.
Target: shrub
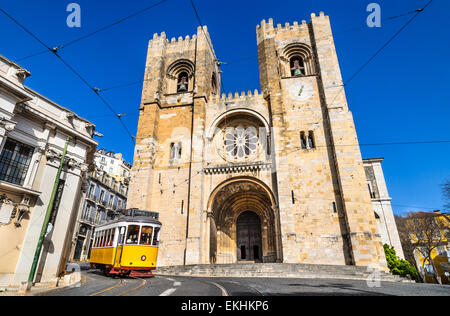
(397, 265)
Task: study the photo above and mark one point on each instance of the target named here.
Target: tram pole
(47, 217)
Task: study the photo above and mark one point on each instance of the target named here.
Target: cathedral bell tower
(180, 76)
(320, 176)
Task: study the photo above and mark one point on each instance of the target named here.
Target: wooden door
(248, 231)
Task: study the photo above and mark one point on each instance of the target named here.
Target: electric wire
(55, 52)
(234, 61)
(352, 29)
(94, 32)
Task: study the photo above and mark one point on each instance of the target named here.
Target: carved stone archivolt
(231, 200)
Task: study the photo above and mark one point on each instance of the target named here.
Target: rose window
(240, 142)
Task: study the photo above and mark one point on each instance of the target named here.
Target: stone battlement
(237, 97)
(267, 27)
(187, 40)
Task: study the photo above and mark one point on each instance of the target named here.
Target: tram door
(119, 248)
(249, 243)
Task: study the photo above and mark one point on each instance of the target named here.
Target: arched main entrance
(243, 223)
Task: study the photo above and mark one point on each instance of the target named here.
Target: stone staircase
(279, 270)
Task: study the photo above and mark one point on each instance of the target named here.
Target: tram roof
(132, 219)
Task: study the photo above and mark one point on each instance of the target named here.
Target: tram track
(122, 283)
(143, 283)
(247, 286)
(107, 289)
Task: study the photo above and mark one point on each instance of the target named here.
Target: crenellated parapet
(267, 29)
(181, 42)
(238, 97)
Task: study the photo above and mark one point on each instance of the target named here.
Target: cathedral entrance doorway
(243, 223)
(248, 231)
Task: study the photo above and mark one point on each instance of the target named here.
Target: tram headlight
(143, 258)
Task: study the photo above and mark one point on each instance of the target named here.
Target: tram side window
(156, 236)
(113, 233)
(108, 237)
(108, 243)
(146, 235)
(104, 238)
(133, 235)
(102, 243)
(100, 238)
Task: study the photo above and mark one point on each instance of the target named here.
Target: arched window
(296, 59)
(303, 140)
(311, 142)
(307, 140)
(180, 77)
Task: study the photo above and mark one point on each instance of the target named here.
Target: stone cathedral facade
(270, 176)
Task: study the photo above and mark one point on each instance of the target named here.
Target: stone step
(276, 270)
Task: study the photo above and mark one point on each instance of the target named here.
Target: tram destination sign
(143, 213)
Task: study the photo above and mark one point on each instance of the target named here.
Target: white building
(33, 133)
(381, 203)
(113, 164)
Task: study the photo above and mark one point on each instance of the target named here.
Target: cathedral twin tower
(275, 176)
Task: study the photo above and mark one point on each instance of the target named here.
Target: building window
(441, 251)
(102, 196)
(87, 212)
(241, 142)
(175, 151)
(429, 269)
(307, 140)
(303, 140)
(14, 161)
(311, 142)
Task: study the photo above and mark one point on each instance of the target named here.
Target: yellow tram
(128, 245)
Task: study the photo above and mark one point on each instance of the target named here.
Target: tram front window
(156, 236)
(146, 235)
(133, 235)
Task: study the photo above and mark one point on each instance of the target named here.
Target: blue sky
(402, 96)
